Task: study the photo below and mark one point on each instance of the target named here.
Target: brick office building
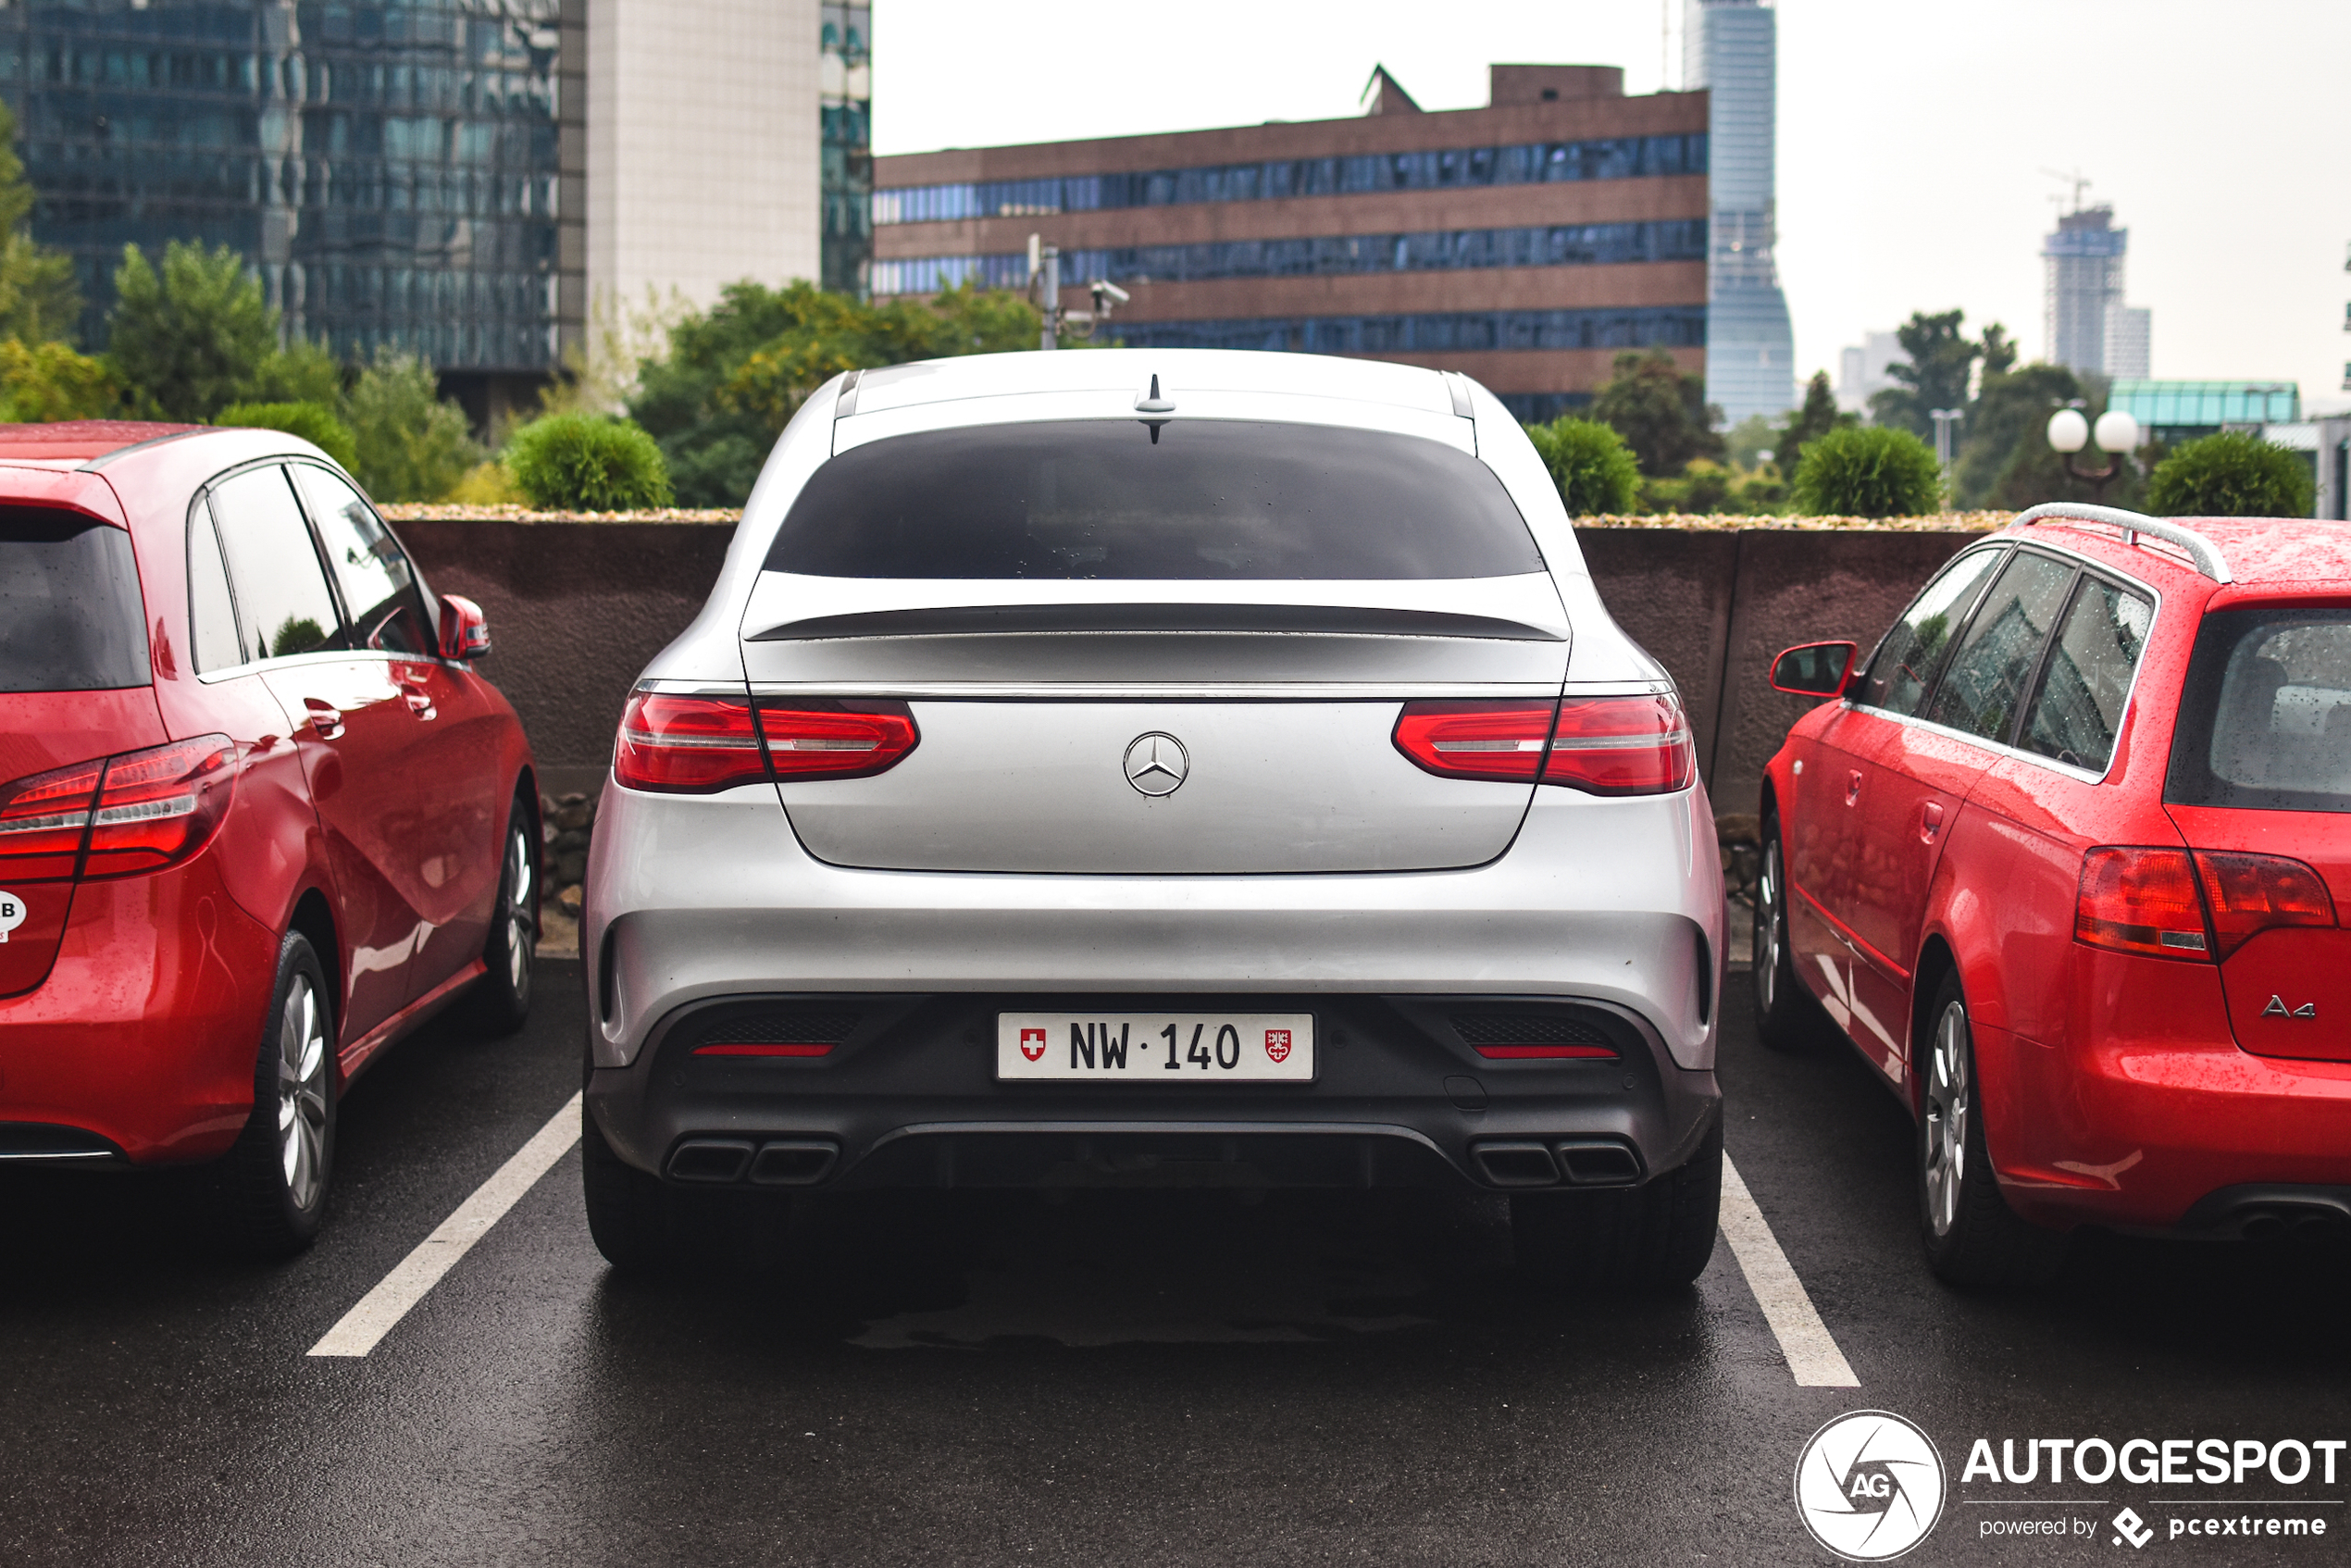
(1526, 244)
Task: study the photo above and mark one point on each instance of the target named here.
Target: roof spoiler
(2202, 551)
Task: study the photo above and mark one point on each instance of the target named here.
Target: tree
(588, 462)
(412, 446)
(50, 382)
(2009, 422)
(1816, 418)
(39, 301)
(189, 340)
(1942, 362)
(1746, 441)
(300, 372)
(314, 422)
(1871, 471)
(2233, 474)
(1595, 471)
(1659, 411)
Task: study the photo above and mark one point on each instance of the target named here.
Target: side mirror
(1816, 669)
(464, 634)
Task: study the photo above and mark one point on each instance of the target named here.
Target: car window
(212, 614)
(1181, 500)
(2264, 718)
(2079, 708)
(379, 587)
(1906, 661)
(1985, 683)
(71, 618)
(282, 603)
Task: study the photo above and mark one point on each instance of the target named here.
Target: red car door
(1920, 775)
(1842, 855)
(454, 796)
(351, 724)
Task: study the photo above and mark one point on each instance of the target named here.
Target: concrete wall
(575, 610)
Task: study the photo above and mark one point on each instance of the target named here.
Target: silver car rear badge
(1157, 763)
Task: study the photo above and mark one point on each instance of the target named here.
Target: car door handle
(419, 699)
(1930, 821)
(325, 718)
(1852, 786)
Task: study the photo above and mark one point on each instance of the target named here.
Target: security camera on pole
(2117, 433)
(1045, 289)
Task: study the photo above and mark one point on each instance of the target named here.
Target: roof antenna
(1152, 402)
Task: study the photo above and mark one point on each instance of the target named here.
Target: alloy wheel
(1947, 1112)
(1765, 954)
(301, 1092)
(521, 920)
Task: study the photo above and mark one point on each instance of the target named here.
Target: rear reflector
(2140, 901)
(682, 745)
(117, 816)
(1600, 745)
(2249, 893)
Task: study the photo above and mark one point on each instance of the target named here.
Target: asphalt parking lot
(1140, 1378)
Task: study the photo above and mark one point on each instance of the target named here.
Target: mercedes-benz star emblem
(1156, 764)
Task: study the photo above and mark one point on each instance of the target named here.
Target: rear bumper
(912, 1100)
(140, 1044)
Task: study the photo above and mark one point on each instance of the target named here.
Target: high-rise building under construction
(2082, 268)
(1731, 49)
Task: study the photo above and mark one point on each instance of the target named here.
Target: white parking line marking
(417, 1272)
(1804, 1339)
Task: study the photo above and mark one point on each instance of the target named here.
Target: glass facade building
(390, 169)
(2171, 411)
(1731, 49)
(845, 103)
(2082, 272)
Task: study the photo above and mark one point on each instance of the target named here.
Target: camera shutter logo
(1869, 1486)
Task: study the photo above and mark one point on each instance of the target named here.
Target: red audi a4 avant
(2067, 862)
(258, 817)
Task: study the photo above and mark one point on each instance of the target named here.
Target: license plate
(1161, 1048)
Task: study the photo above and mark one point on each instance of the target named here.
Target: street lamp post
(2117, 433)
(1944, 420)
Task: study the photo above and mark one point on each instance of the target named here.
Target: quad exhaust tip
(777, 1162)
(1575, 1161)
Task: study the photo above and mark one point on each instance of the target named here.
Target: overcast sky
(1913, 136)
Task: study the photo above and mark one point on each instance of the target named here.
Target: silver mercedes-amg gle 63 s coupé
(1143, 767)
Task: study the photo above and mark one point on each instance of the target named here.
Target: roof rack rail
(2202, 551)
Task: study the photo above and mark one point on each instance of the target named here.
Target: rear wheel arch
(1935, 960)
(314, 919)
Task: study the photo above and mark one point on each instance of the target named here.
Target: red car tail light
(43, 819)
(2249, 893)
(1498, 740)
(1622, 746)
(837, 740)
(687, 745)
(161, 805)
(2141, 900)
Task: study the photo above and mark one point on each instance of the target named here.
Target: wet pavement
(1145, 1378)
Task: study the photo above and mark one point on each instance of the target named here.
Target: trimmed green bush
(314, 422)
(588, 462)
(1868, 471)
(2234, 474)
(1595, 470)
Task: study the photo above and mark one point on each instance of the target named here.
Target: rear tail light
(117, 817)
(2248, 894)
(2146, 900)
(682, 745)
(1601, 746)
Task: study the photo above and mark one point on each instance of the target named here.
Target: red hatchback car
(258, 817)
(2065, 863)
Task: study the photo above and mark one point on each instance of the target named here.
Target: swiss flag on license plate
(1032, 1044)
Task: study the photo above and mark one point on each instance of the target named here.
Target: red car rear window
(2265, 721)
(70, 617)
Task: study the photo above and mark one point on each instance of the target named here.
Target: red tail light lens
(2141, 900)
(1498, 740)
(161, 805)
(139, 812)
(1622, 746)
(41, 821)
(837, 740)
(687, 745)
(698, 745)
(2249, 893)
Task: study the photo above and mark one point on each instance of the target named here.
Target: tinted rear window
(70, 615)
(2265, 723)
(1101, 499)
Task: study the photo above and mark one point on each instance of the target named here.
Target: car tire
(1655, 1237)
(502, 998)
(1973, 1238)
(628, 1215)
(274, 1177)
(1785, 1017)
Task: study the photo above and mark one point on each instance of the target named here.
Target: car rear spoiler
(2201, 550)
